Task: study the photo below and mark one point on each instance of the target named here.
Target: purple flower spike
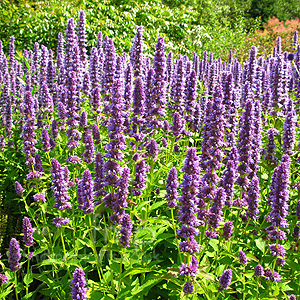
(14, 255)
(242, 257)
(46, 140)
(259, 271)
(279, 192)
(3, 279)
(171, 187)
(39, 197)
(19, 189)
(227, 230)
(86, 193)
(253, 198)
(225, 280)
(126, 228)
(58, 222)
(79, 291)
(152, 149)
(89, 147)
(28, 232)
(59, 186)
(138, 184)
(188, 288)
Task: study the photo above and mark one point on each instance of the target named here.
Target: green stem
(16, 284)
(99, 269)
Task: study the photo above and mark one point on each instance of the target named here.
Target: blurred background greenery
(188, 25)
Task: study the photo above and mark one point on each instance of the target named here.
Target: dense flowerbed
(139, 178)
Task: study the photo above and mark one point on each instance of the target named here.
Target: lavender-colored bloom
(58, 222)
(86, 192)
(227, 181)
(99, 176)
(19, 189)
(83, 119)
(94, 69)
(60, 51)
(245, 139)
(89, 147)
(109, 66)
(73, 160)
(82, 39)
(242, 257)
(136, 52)
(227, 230)
(79, 291)
(177, 89)
(189, 246)
(96, 102)
(293, 297)
(289, 132)
(3, 279)
(45, 140)
(96, 134)
(272, 276)
(225, 279)
(59, 187)
(178, 124)
(171, 187)
(259, 270)
(120, 196)
(115, 125)
(29, 140)
(138, 184)
(138, 110)
(188, 288)
(253, 198)
(28, 232)
(271, 146)
(152, 149)
(279, 191)
(14, 255)
(215, 212)
(38, 163)
(164, 142)
(54, 129)
(126, 228)
(190, 96)
(159, 83)
(72, 102)
(39, 197)
(190, 270)
(277, 249)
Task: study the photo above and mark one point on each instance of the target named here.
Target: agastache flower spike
(28, 232)
(289, 132)
(86, 192)
(46, 140)
(59, 186)
(171, 187)
(225, 280)
(138, 184)
(279, 192)
(126, 228)
(14, 255)
(19, 189)
(89, 147)
(79, 292)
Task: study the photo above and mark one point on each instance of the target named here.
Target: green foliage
(187, 25)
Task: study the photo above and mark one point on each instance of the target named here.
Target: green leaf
(157, 205)
(261, 244)
(143, 289)
(28, 278)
